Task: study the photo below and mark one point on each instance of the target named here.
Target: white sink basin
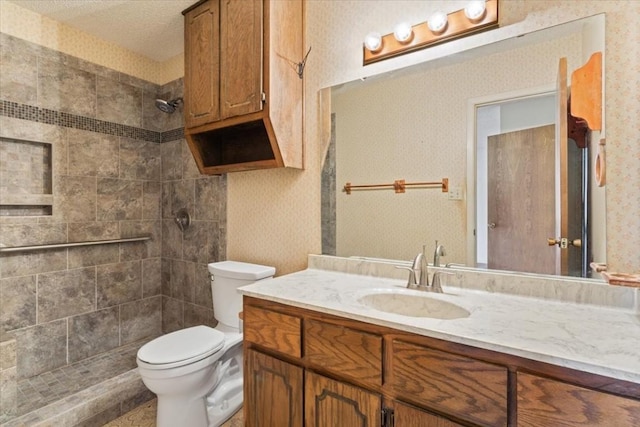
(413, 304)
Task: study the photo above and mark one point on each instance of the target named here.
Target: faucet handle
(412, 281)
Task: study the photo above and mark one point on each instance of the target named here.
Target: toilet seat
(181, 348)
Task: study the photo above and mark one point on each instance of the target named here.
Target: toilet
(197, 372)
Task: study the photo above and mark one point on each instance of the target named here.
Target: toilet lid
(182, 345)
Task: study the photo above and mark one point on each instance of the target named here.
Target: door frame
(472, 105)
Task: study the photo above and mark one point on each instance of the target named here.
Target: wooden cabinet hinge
(264, 97)
(386, 417)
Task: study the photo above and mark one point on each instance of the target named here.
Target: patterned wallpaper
(33, 27)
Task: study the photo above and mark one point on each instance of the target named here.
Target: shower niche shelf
(26, 178)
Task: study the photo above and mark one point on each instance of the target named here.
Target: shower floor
(43, 389)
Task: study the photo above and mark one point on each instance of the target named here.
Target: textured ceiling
(153, 28)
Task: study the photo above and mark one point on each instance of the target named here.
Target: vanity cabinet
(243, 91)
(304, 367)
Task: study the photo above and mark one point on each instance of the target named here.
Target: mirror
(421, 123)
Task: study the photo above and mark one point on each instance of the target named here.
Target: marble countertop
(597, 339)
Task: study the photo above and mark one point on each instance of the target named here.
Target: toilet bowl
(197, 372)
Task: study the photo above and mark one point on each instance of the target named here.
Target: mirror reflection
(454, 118)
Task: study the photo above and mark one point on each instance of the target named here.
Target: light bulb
(437, 22)
(403, 32)
(373, 41)
(475, 10)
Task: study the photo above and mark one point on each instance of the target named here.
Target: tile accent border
(59, 118)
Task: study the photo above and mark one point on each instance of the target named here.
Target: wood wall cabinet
(243, 95)
(329, 371)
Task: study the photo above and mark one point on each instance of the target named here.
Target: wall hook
(303, 63)
(182, 219)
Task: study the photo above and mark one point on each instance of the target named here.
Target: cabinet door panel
(544, 402)
(273, 392)
(202, 65)
(472, 390)
(273, 330)
(330, 403)
(408, 416)
(344, 350)
(240, 57)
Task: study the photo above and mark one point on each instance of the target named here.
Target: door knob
(564, 243)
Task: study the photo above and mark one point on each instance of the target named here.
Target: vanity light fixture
(437, 22)
(373, 42)
(475, 10)
(479, 15)
(403, 32)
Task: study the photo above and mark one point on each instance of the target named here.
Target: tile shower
(74, 318)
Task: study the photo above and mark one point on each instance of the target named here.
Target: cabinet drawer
(448, 383)
(272, 330)
(547, 402)
(344, 351)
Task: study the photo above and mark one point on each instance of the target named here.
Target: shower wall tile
(195, 315)
(151, 277)
(172, 314)
(119, 102)
(166, 200)
(139, 83)
(32, 234)
(86, 256)
(152, 118)
(171, 160)
(92, 154)
(183, 195)
(165, 276)
(93, 333)
(140, 319)
(94, 230)
(202, 286)
(171, 240)
(200, 242)
(8, 392)
(182, 280)
(140, 250)
(17, 303)
(41, 348)
(67, 89)
(66, 293)
(18, 70)
(7, 354)
(118, 283)
(209, 195)
(119, 199)
(140, 160)
(189, 166)
(151, 200)
(16, 264)
(76, 198)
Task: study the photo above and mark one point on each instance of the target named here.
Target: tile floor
(145, 416)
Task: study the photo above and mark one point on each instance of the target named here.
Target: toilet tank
(226, 278)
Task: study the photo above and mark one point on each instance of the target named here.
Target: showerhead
(168, 106)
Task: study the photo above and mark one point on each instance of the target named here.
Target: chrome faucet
(437, 254)
(419, 275)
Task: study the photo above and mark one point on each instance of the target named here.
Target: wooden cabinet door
(544, 402)
(240, 57)
(273, 392)
(202, 64)
(330, 403)
(410, 416)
